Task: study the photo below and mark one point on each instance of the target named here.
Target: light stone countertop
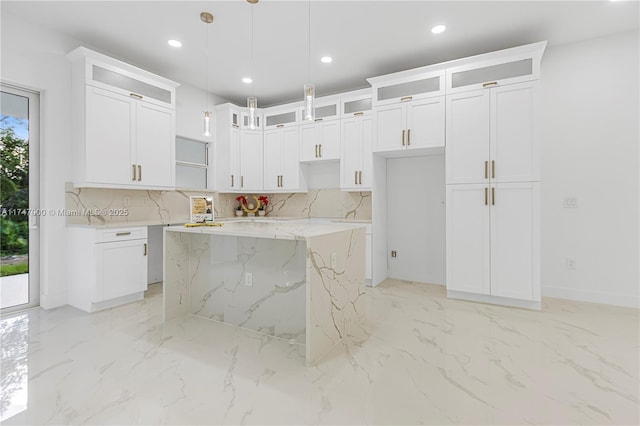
(245, 219)
(280, 230)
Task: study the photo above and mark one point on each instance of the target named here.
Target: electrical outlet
(334, 259)
(570, 203)
(125, 201)
(248, 279)
(571, 263)
(394, 253)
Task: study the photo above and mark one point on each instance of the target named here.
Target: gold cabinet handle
(493, 196)
(408, 137)
(241, 181)
(403, 137)
(281, 181)
(318, 119)
(486, 196)
(320, 150)
(358, 113)
(355, 177)
(280, 125)
(316, 151)
(232, 181)
(486, 169)
(406, 98)
(139, 172)
(489, 84)
(133, 174)
(235, 125)
(122, 234)
(360, 177)
(493, 169)
(135, 95)
(145, 249)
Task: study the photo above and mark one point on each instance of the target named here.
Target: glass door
(19, 198)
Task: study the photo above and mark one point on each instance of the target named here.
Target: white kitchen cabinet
(251, 160)
(410, 125)
(515, 65)
(192, 164)
(280, 117)
(407, 85)
(282, 169)
(320, 141)
(239, 152)
(356, 164)
(109, 266)
(493, 241)
(491, 135)
(124, 126)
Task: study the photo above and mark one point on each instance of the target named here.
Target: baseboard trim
(494, 300)
(581, 295)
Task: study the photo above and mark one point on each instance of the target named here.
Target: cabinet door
(121, 269)
(514, 241)
(109, 137)
(513, 147)
(272, 158)
(390, 125)
(290, 165)
(365, 178)
(309, 141)
(234, 158)
(468, 137)
(350, 160)
(155, 145)
(329, 140)
(251, 160)
(425, 123)
(468, 236)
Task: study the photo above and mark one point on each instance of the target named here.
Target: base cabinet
(493, 240)
(108, 267)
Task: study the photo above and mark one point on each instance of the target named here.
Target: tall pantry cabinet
(492, 180)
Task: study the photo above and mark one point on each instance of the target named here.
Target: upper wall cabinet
(320, 140)
(239, 151)
(406, 86)
(124, 124)
(409, 111)
(496, 69)
(278, 117)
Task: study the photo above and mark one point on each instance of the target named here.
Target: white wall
(35, 58)
(590, 139)
(190, 106)
(416, 218)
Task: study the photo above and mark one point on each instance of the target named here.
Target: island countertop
(279, 230)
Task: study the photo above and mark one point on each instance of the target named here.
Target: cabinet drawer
(121, 234)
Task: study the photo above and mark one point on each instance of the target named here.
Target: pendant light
(207, 18)
(309, 89)
(252, 101)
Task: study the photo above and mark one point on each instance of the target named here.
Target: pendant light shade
(206, 124)
(309, 102)
(252, 104)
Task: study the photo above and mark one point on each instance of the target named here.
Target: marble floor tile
(420, 358)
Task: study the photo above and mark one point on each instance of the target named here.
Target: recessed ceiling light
(247, 80)
(174, 43)
(438, 29)
(326, 59)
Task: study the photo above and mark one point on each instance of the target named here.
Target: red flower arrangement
(242, 201)
(264, 202)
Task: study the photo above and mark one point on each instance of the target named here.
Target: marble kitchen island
(296, 281)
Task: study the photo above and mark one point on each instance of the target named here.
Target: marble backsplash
(99, 206)
(325, 203)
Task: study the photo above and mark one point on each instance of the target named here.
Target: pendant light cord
(206, 55)
(309, 42)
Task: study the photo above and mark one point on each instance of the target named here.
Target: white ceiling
(365, 38)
